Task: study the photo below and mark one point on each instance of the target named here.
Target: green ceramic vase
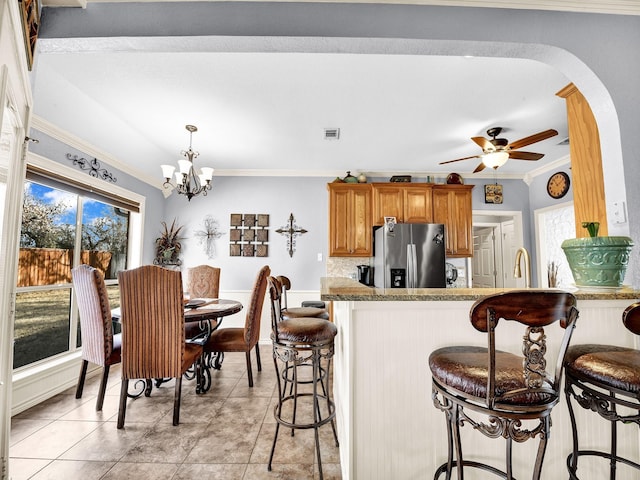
(598, 261)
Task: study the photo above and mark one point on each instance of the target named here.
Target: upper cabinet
(350, 213)
(452, 206)
(409, 203)
(354, 209)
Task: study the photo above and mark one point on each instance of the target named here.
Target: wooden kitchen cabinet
(409, 203)
(452, 206)
(350, 214)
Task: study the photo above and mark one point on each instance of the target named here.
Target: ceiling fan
(497, 151)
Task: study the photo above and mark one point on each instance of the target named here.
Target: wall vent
(331, 133)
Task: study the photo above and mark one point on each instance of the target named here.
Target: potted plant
(599, 262)
(168, 245)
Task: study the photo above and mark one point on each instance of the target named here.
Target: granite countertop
(347, 289)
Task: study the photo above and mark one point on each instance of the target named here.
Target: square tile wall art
(249, 235)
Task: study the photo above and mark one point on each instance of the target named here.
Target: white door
(484, 258)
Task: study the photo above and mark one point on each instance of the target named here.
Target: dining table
(208, 313)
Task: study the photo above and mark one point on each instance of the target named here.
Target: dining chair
(203, 281)
(153, 341)
(99, 344)
(243, 339)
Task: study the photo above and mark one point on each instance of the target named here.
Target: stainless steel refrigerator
(409, 255)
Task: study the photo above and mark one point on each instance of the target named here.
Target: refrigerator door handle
(412, 272)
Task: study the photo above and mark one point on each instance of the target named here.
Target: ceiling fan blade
(483, 143)
(518, 155)
(480, 167)
(458, 159)
(538, 137)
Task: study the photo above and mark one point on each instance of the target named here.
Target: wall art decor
(249, 235)
(95, 170)
(291, 231)
(30, 13)
(493, 193)
(208, 234)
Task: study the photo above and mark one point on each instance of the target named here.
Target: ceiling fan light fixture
(495, 159)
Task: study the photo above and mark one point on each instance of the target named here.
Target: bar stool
(604, 379)
(308, 309)
(302, 342)
(505, 388)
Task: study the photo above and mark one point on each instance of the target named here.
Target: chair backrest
(95, 314)
(285, 284)
(534, 309)
(631, 318)
(203, 281)
(254, 312)
(152, 316)
(275, 296)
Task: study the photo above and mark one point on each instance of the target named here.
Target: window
(63, 226)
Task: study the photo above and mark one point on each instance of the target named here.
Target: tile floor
(223, 434)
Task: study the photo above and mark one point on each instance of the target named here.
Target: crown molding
(618, 7)
(48, 128)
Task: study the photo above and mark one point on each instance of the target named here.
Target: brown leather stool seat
(312, 331)
(494, 390)
(605, 379)
(302, 343)
(298, 312)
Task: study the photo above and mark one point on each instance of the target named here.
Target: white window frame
(34, 384)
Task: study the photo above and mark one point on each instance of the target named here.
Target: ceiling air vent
(331, 133)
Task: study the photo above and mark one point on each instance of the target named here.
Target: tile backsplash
(345, 266)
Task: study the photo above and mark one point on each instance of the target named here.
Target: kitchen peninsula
(387, 424)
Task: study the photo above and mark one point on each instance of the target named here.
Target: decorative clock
(558, 185)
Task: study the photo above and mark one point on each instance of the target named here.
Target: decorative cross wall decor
(208, 235)
(291, 231)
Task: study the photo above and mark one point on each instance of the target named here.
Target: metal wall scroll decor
(291, 231)
(95, 170)
(208, 235)
(249, 235)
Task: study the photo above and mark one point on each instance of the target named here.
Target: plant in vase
(598, 262)
(168, 245)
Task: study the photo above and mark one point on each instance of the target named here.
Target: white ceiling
(268, 111)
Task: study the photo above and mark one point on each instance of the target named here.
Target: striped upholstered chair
(153, 342)
(99, 345)
(243, 339)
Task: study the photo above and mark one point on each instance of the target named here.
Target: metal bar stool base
(468, 463)
(573, 475)
(291, 358)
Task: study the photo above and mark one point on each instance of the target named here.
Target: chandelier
(187, 181)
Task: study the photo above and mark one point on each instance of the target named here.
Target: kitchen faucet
(522, 252)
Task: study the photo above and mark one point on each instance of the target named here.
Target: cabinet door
(339, 206)
(461, 221)
(361, 240)
(388, 201)
(350, 233)
(417, 204)
(452, 206)
(441, 215)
